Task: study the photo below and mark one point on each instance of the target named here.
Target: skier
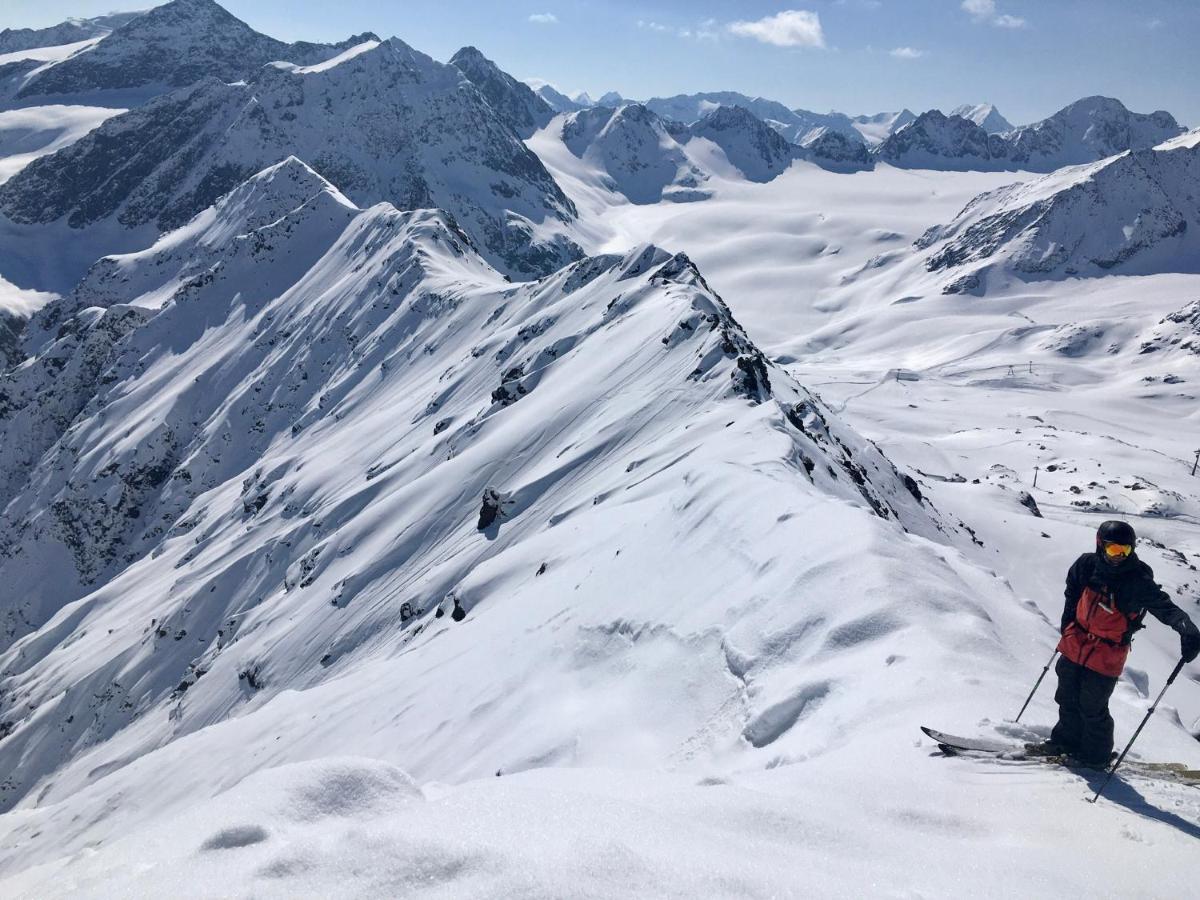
(1108, 595)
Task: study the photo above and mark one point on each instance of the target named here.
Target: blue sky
(1029, 57)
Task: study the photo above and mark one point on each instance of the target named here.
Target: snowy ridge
(1123, 214)
(554, 98)
(515, 102)
(254, 491)
(164, 162)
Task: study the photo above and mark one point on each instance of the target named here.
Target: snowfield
(336, 563)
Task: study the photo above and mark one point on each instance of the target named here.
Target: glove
(1189, 645)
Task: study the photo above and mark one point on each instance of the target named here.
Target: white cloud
(652, 26)
(1008, 22)
(1155, 24)
(907, 53)
(790, 28)
(544, 19)
(980, 9)
(984, 11)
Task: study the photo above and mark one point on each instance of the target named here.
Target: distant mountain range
(421, 136)
(72, 31)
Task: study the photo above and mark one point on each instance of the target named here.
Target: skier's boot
(1046, 748)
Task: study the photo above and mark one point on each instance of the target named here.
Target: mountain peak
(514, 101)
(985, 115)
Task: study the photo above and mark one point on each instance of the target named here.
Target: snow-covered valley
(337, 562)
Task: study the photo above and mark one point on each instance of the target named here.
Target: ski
(954, 745)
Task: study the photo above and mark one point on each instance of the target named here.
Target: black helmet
(1114, 541)
(1116, 532)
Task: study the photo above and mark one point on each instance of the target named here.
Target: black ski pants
(1085, 728)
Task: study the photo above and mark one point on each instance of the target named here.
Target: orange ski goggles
(1117, 551)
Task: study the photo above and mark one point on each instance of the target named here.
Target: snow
(241, 465)
(328, 64)
(985, 116)
(26, 134)
(49, 54)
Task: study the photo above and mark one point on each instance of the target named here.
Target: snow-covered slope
(809, 125)
(27, 134)
(757, 151)
(875, 129)
(1134, 213)
(985, 116)
(514, 101)
(266, 481)
(383, 120)
(638, 152)
(170, 46)
(72, 31)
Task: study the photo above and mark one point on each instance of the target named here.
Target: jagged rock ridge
(514, 101)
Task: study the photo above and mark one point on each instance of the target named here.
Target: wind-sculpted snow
(385, 123)
(172, 46)
(1130, 214)
(257, 449)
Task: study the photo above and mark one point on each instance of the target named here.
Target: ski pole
(1149, 713)
(1038, 684)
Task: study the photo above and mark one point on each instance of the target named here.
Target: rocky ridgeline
(514, 101)
(171, 46)
(72, 31)
(1088, 130)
